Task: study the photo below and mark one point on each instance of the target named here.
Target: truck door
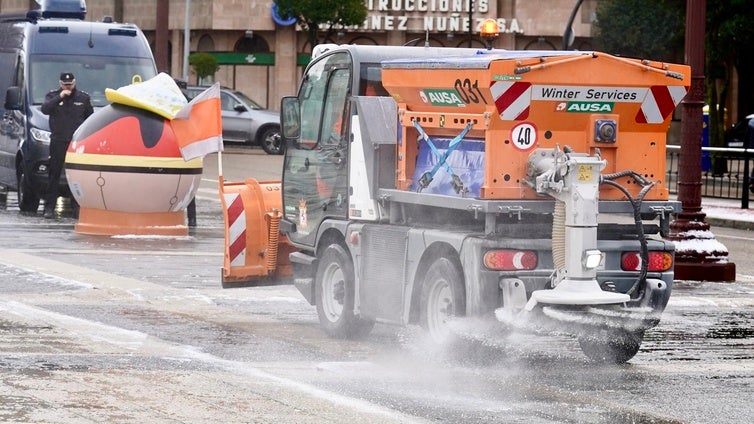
(315, 172)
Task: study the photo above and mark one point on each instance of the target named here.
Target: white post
(186, 41)
(220, 167)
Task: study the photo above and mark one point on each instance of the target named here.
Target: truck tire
(442, 297)
(334, 285)
(28, 201)
(611, 346)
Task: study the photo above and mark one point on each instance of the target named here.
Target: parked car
(245, 121)
(735, 136)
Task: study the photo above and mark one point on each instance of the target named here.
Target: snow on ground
(732, 212)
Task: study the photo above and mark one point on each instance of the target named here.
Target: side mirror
(239, 108)
(290, 118)
(13, 98)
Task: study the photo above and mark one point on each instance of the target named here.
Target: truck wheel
(28, 201)
(442, 298)
(271, 141)
(335, 295)
(611, 346)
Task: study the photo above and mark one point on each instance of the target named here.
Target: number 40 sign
(524, 136)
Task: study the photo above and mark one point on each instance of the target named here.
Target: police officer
(68, 108)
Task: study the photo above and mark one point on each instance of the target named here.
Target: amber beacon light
(489, 31)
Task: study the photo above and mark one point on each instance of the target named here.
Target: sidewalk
(728, 213)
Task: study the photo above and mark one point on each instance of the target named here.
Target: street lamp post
(568, 35)
(186, 41)
(161, 35)
(689, 231)
(471, 22)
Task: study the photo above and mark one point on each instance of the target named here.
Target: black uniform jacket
(66, 114)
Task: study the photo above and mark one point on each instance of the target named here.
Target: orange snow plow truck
(424, 185)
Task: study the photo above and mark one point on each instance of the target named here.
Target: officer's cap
(67, 78)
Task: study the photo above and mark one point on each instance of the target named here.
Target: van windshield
(93, 74)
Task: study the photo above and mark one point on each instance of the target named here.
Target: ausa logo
(440, 97)
(580, 107)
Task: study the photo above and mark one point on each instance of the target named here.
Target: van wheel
(335, 295)
(271, 141)
(611, 346)
(442, 298)
(28, 201)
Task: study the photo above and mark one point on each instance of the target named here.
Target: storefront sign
(231, 58)
(453, 23)
(433, 16)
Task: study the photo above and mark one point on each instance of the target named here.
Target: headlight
(40, 135)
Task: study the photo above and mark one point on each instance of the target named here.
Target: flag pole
(220, 180)
(220, 166)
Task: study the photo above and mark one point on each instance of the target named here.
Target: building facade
(263, 55)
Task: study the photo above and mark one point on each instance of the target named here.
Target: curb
(729, 223)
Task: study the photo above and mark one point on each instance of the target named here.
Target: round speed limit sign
(524, 136)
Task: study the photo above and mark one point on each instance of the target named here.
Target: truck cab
(320, 118)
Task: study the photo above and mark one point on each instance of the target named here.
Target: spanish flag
(198, 126)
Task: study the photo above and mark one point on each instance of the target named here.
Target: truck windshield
(93, 74)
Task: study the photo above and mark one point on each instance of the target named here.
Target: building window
(251, 44)
(205, 44)
(540, 43)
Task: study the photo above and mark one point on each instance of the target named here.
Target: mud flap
(656, 294)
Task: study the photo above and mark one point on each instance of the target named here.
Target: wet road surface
(137, 329)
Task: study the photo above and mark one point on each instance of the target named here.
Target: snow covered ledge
(698, 255)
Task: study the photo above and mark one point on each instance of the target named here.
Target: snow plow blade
(255, 252)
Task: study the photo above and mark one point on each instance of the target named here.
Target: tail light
(510, 260)
(658, 261)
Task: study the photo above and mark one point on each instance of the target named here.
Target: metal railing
(725, 172)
